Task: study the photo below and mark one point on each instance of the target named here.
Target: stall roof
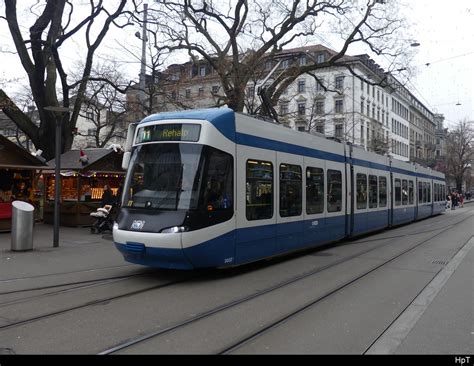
(98, 160)
(13, 156)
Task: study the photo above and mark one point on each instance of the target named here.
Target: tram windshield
(179, 176)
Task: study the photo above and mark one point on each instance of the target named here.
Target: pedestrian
(454, 201)
(461, 200)
(448, 202)
(107, 196)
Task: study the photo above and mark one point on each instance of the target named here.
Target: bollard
(22, 226)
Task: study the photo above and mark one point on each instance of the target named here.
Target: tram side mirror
(126, 160)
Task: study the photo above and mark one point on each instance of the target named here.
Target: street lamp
(57, 167)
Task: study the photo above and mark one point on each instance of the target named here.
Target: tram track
(63, 310)
(181, 325)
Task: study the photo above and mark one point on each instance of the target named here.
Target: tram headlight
(175, 230)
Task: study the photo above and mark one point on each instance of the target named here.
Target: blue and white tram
(215, 188)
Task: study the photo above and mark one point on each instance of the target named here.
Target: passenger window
(382, 191)
(314, 191)
(334, 197)
(219, 191)
(404, 192)
(398, 192)
(259, 190)
(411, 192)
(372, 191)
(428, 192)
(291, 192)
(361, 191)
(420, 192)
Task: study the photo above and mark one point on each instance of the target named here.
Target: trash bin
(22, 225)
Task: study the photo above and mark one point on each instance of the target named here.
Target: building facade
(357, 102)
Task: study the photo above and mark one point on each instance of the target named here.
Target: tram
(216, 188)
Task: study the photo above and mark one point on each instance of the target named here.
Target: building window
(339, 82)
(319, 86)
(320, 107)
(320, 58)
(301, 109)
(301, 86)
(302, 60)
(90, 115)
(202, 71)
(91, 131)
(339, 106)
(338, 130)
(188, 93)
(283, 108)
(215, 89)
(320, 127)
(285, 64)
(201, 91)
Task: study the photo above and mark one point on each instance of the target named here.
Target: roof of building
(14, 156)
(104, 160)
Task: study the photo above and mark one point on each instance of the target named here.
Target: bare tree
(104, 105)
(236, 39)
(39, 53)
(460, 152)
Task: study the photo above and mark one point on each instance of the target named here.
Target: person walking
(454, 201)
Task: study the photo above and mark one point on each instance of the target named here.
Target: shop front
(84, 173)
(20, 179)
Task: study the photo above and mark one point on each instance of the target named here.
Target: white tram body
(215, 188)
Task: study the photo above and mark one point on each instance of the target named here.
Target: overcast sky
(444, 63)
(445, 31)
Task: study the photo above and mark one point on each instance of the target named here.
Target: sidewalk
(78, 250)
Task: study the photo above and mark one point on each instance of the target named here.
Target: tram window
(314, 190)
(372, 191)
(404, 192)
(259, 190)
(361, 191)
(334, 197)
(435, 192)
(218, 190)
(382, 191)
(291, 192)
(420, 192)
(398, 192)
(411, 192)
(428, 192)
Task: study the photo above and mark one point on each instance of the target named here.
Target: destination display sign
(169, 132)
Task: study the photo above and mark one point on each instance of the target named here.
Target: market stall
(84, 173)
(20, 179)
